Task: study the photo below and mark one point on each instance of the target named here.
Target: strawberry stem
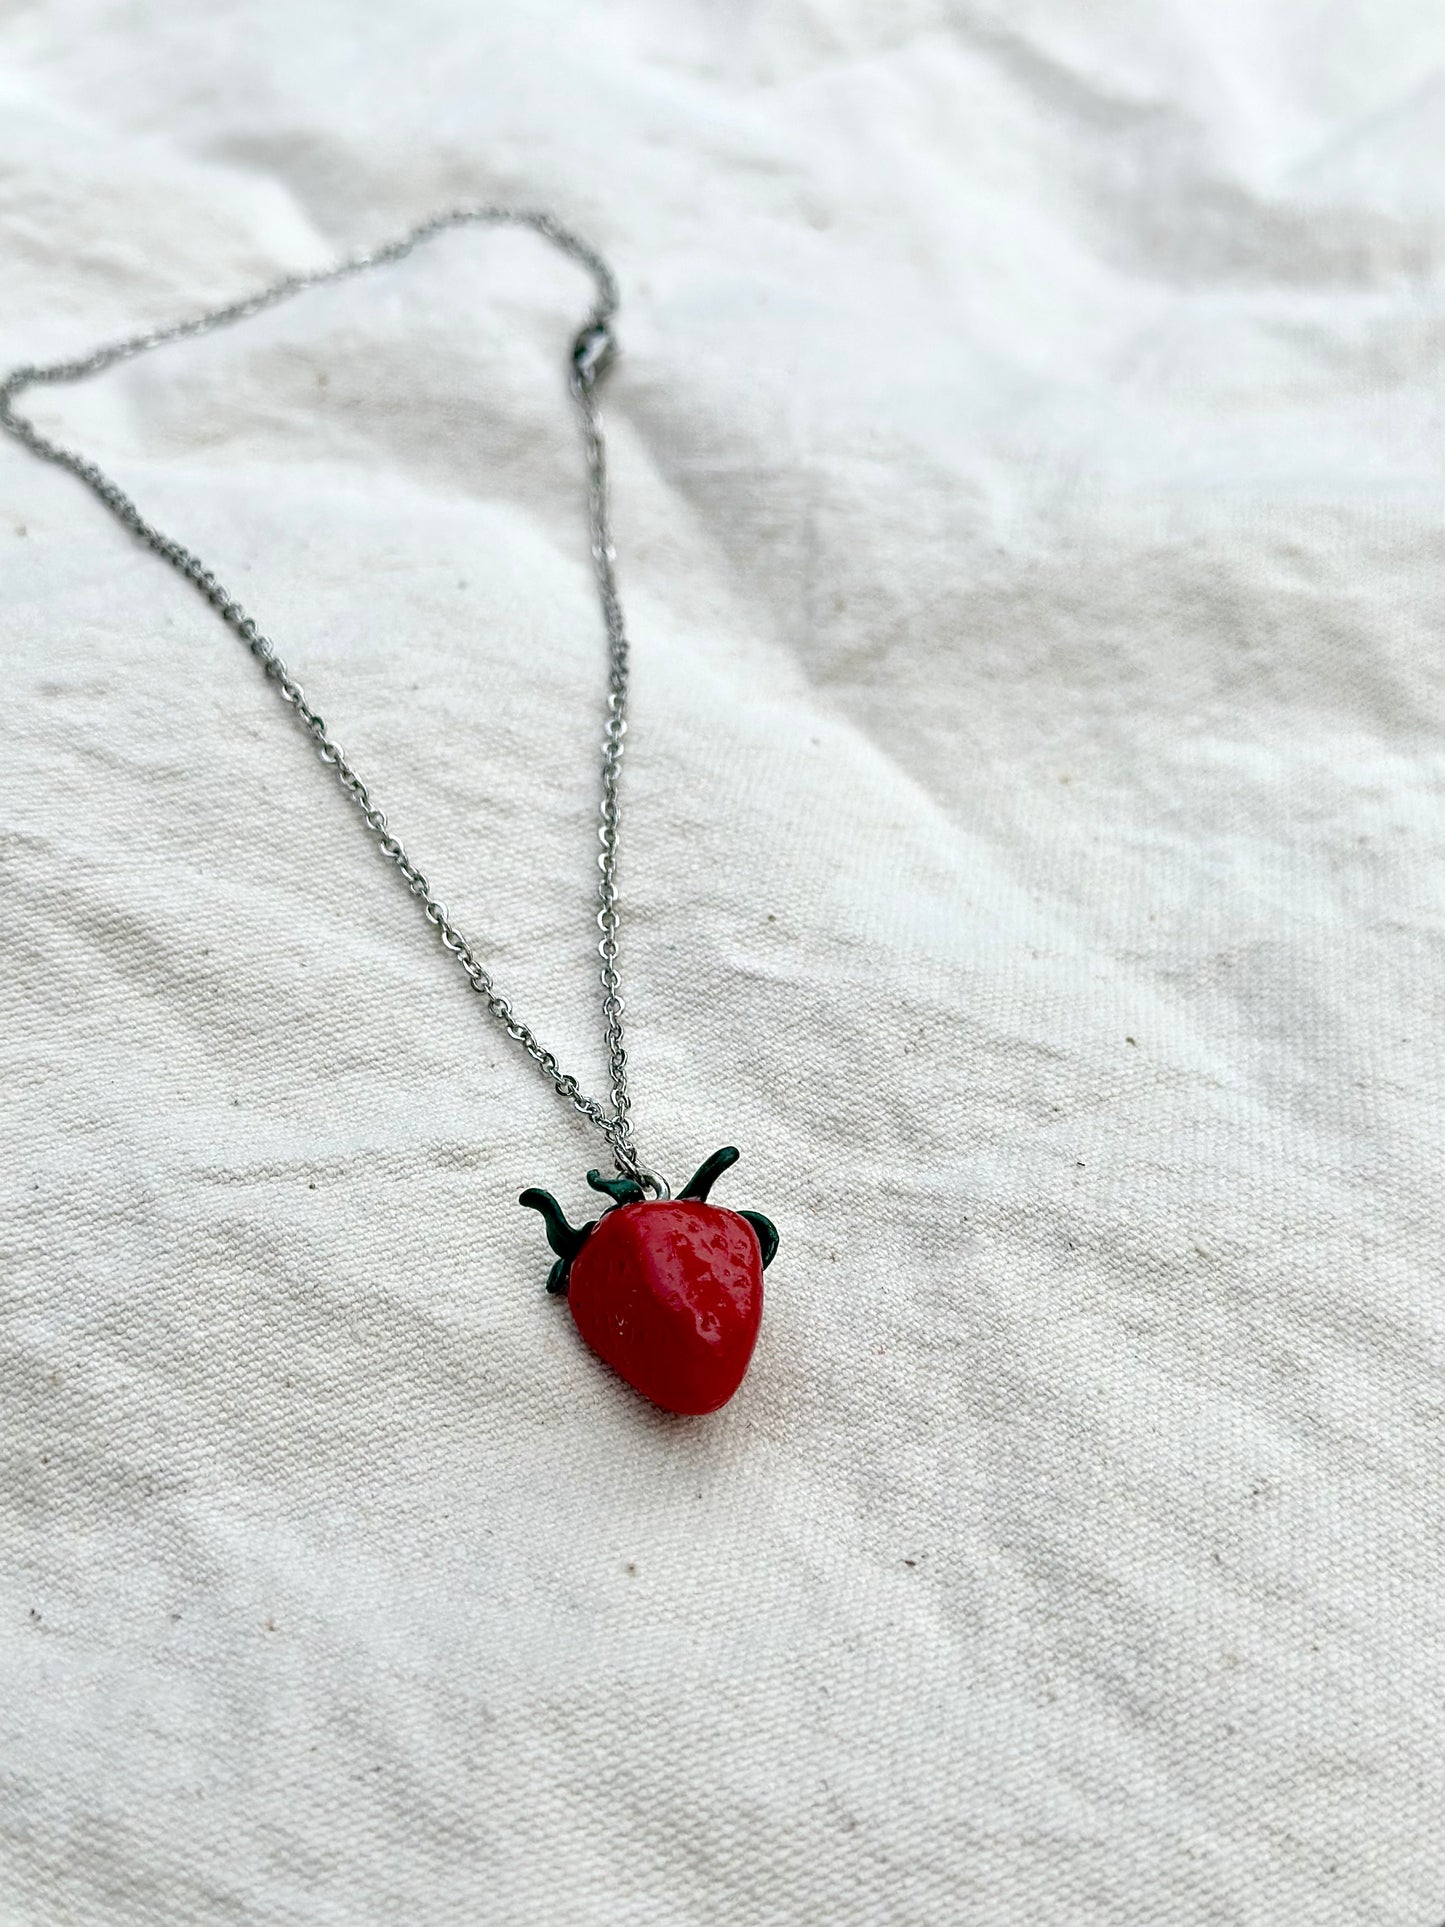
(622, 1190)
(767, 1234)
(708, 1173)
(565, 1239)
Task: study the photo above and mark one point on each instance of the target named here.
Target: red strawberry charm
(669, 1291)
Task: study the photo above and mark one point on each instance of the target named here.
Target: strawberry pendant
(669, 1291)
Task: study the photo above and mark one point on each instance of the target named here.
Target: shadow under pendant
(668, 1291)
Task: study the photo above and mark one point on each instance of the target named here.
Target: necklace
(667, 1290)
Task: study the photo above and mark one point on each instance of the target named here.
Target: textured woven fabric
(1028, 453)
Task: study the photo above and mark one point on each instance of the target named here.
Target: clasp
(592, 352)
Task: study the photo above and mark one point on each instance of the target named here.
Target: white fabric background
(1028, 458)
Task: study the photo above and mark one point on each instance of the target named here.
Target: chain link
(591, 353)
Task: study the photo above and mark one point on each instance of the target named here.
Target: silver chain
(591, 352)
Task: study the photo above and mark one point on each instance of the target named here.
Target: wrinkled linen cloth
(1028, 467)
